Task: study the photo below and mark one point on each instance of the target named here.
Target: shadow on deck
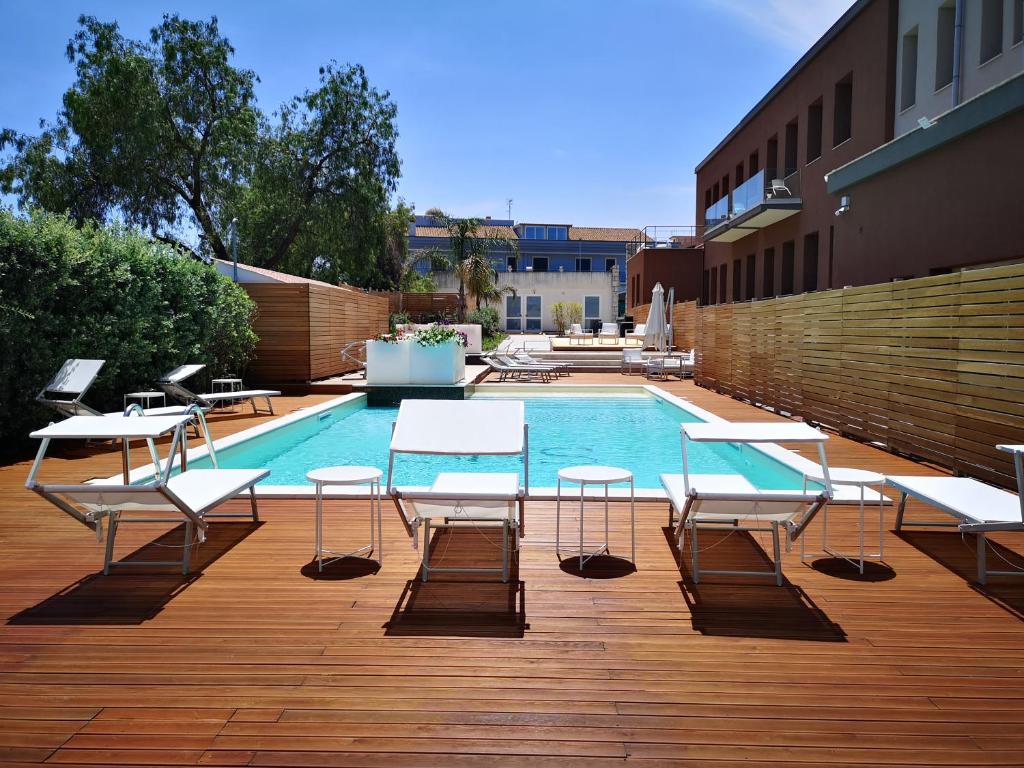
(131, 595)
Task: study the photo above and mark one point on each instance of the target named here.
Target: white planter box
(387, 363)
(443, 364)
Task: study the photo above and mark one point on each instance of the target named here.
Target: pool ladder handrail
(198, 419)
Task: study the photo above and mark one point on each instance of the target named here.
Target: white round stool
(857, 478)
(594, 475)
(328, 476)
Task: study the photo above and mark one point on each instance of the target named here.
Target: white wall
(975, 77)
(552, 287)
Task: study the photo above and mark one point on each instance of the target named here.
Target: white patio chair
(487, 501)
(632, 358)
(608, 331)
(731, 502)
(638, 333)
(576, 332)
(778, 188)
(190, 496)
(978, 508)
(68, 386)
(171, 383)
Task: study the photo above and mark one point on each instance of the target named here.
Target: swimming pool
(634, 429)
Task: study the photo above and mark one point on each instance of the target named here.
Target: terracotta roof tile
(614, 234)
(485, 230)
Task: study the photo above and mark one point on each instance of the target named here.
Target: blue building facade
(540, 247)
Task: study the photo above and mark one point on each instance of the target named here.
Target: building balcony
(764, 199)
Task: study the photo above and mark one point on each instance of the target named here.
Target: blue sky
(586, 112)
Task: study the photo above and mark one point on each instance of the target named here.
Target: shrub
(566, 313)
(397, 319)
(487, 318)
(112, 294)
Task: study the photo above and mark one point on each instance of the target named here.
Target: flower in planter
(390, 338)
(436, 335)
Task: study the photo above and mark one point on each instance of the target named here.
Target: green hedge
(105, 293)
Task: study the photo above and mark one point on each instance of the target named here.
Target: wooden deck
(257, 660)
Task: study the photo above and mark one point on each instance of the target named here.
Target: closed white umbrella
(656, 328)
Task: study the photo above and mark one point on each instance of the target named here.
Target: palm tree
(478, 276)
(467, 244)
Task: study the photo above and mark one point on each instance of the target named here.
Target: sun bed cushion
(753, 432)
(74, 377)
(460, 427)
(460, 496)
(199, 489)
(732, 497)
(244, 394)
(110, 427)
(182, 372)
(970, 500)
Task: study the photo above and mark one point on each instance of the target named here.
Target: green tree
(166, 134)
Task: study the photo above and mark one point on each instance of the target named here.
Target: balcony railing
(765, 186)
(665, 236)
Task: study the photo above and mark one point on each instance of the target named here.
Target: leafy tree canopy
(166, 134)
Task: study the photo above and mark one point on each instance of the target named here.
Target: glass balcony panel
(717, 213)
(748, 194)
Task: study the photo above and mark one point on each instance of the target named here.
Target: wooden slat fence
(303, 326)
(931, 367)
(421, 307)
(684, 322)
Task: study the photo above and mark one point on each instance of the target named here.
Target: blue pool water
(639, 433)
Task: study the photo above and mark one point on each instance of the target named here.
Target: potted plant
(387, 359)
(437, 356)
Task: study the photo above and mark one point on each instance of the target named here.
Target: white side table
(857, 478)
(595, 475)
(327, 476)
(145, 399)
(226, 385)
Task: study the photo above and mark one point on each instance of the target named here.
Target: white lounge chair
(560, 369)
(510, 370)
(171, 384)
(191, 495)
(978, 508)
(638, 333)
(733, 502)
(486, 500)
(630, 358)
(576, 332)
(66, 389)
(608, 331)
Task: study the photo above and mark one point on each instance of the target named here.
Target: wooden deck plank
(255, 661)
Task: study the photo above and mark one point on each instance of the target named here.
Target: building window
(788, 251)
(751, 276)
(534, 315)
(591, 310)
(534, 233)
(609, 265)
(540, 263)
(723, 283)
(707, 198)
(511, 263)
(842, 121)
(768, 287)
(752, 163)
(771, 157)
(583, 264)
(811, 261)
(713, 298)
(513, 313)
(557, 233)
(705, 288)
(814, 131)
(1018, 22)
(737, 275)
(991, 29)
(908, 71)
(792, 137)
(739, 174)
(944, 31)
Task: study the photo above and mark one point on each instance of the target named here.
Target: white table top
(343, 475)
(145, 394)
(753, 432)
(111, 427)
(847, 476)
(595, 474)
(226, 381)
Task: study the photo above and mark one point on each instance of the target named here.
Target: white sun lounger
(712, 501)
(486, 500)
(977, 507)
(66, 389)
(511, 370)
(191, 495)
(171, 384)
(524, 357)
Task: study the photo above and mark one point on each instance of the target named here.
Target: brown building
(675, 263)
(825, 184)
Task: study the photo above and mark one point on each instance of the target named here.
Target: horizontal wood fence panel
(932, 367)
(684, 322)
(302, 328)
(421, 307)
